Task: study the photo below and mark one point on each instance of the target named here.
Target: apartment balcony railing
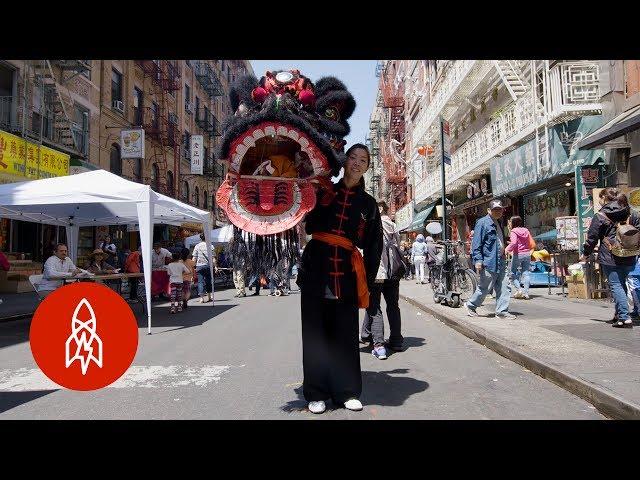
(457, 72)
(573, 91)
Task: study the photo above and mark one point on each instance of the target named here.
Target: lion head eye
(332, 113)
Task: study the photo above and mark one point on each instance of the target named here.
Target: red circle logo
(84, 336)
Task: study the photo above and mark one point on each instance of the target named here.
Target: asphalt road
(241, 359)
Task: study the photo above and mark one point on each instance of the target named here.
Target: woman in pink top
(520, 246)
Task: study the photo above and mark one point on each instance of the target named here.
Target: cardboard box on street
(577, 288)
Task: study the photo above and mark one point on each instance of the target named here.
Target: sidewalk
(17, 305)
(563, 340)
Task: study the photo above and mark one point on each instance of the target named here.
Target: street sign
(197, 162)
(132, 143)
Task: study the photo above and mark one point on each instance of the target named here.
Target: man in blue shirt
(487, 252)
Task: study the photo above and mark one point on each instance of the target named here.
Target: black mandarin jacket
(326, 271)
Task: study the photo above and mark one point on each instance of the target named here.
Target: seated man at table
(159, 275)
(57, 265)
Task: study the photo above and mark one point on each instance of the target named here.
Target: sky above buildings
(358, 75)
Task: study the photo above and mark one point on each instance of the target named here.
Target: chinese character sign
(25, 159)
(197, 160)
(587, 178)
(132, 143)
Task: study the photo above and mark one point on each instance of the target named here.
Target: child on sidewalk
(176, 270)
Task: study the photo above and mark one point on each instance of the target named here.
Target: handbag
(397, 267)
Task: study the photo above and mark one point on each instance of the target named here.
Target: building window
(197, 107)
(155, 177)
(185, 192)
(116, 85)
(186, 142)
(205, 200)
(170, 184)
(155, 115)
(115, 161)
(197, 197)
(81, 129)
(138, 105)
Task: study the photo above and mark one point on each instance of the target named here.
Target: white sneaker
(518, 294)
(506, 316)
(317, 407)
(526, 297)
(353, 404)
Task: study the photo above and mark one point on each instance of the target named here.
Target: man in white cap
(487, 252)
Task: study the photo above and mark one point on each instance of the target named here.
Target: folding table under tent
(99, 198)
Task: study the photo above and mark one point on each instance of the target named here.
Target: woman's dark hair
(516, 221)
(385, 207)
(202, 236)
(184, 254)
(612, 194)
(175, 256)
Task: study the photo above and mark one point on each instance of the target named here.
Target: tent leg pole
(149, 323)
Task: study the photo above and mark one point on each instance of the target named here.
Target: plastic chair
(35, 280)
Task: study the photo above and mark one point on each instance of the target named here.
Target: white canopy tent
(99, 198)
(219, 235)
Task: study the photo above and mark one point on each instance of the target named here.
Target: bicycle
(451, 281)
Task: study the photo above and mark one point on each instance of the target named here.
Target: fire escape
(213, 172)
(52, 123)
(161, 124)
(392, 144)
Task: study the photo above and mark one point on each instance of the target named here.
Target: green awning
(418, 221)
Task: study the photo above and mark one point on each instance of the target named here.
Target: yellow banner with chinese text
(41, 161)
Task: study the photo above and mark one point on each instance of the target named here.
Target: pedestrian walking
(419, 257)
(201, 253)
(521, 245)
(238, 256)
(334, 282)
(176, 271)
(387, 283)
(432, 256)
(187, 278)
(633, 285)
(615, 229)
(488, 252)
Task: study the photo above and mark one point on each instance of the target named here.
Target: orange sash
(357, 262)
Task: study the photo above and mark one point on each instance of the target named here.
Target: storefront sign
(41, 161)
(477, 188)
(542, 208)
(587, 178)
(132, 143)
(404, 216)
(518, 169)
(197, 162)
(514, 170)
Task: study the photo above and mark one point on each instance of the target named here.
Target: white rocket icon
(83, 344)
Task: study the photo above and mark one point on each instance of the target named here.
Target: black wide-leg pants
(330, 350)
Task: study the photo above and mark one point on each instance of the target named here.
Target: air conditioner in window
(188, 107)
(118, 105)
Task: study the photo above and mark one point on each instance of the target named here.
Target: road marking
(153, 376)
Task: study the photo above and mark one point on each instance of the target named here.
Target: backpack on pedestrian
(627, 238)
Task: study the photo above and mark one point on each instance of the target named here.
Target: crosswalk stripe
(152, 376)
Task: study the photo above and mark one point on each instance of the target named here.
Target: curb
(607, 403)
(20, 316)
